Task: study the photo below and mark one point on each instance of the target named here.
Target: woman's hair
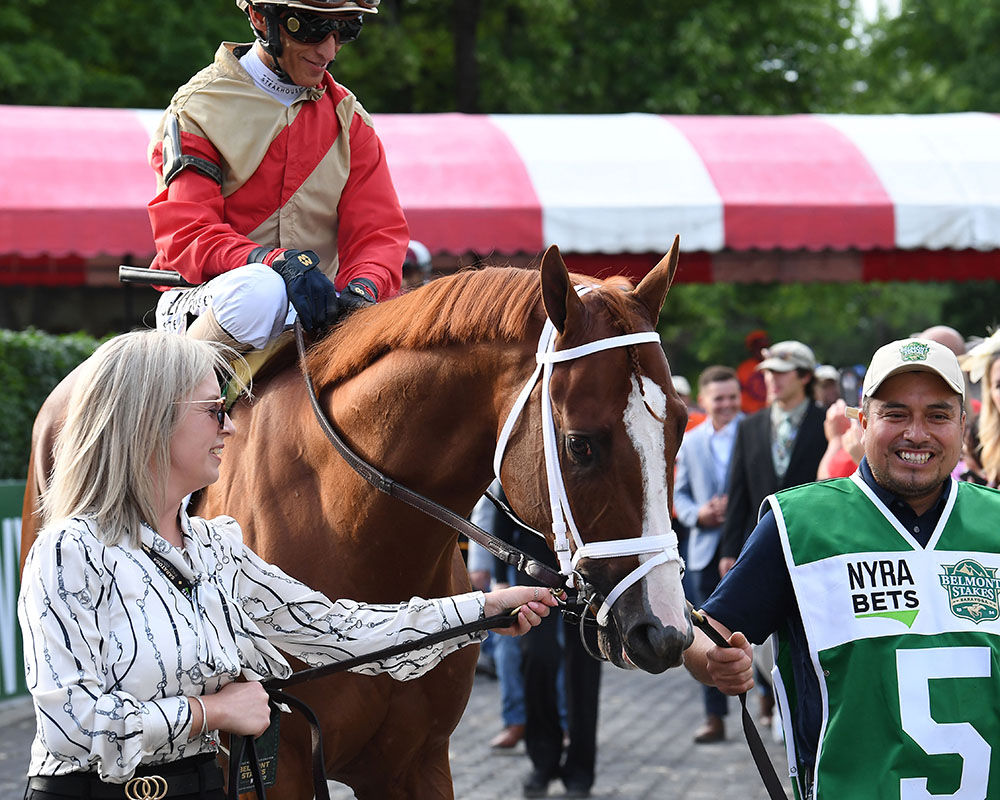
(112, 455)
(989, 427)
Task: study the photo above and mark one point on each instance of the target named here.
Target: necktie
(784, 441)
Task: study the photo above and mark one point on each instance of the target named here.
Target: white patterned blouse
(111, 646)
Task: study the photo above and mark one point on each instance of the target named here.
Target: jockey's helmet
(272, 11)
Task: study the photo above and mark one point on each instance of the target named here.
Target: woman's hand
(532, 603)
(240, 707)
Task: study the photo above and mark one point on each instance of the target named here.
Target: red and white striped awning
(754, 198)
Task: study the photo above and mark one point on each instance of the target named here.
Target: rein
(244, 745)
(505, 552)
(761, 759)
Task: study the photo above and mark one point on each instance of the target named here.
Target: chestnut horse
(421, 387)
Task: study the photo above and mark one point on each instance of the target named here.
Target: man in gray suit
(700, 500)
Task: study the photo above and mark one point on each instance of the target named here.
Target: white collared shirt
(720, 443)
(112, 647)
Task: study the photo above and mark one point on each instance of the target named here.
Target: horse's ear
(562, 305)
(652, 290)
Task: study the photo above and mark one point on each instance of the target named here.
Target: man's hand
(310, 292)
(713, 513)
(853, 443)
(836, 422)
(731, 668)
(358, 293)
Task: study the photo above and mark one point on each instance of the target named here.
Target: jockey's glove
(358, 293)
(310, 292)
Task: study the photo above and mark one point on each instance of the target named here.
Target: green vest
(905, 641)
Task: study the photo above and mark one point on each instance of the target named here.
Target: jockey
(273, 186)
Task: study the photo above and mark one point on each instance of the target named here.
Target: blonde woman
(982, 363)
(138, 618)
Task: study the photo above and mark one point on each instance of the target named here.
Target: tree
(844, 323)
(532, 56)
(935, 56)
(109, 53)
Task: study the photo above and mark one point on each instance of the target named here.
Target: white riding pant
(250, 303)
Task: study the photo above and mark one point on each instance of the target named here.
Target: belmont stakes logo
(973, 590)
(914, 351)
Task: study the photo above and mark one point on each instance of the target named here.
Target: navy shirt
(756, 598)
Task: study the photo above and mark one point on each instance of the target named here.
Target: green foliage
(682, 57)
(844, 323)
(591, 56)
(532, 56)
(109, 53)
(936, 56)
(31, 364)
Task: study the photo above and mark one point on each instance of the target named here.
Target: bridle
(570, 549)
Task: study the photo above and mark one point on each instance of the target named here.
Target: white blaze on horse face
(662, 586)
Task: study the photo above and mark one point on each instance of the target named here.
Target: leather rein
(499, 548)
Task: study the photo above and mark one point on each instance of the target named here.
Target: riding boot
(207, 327)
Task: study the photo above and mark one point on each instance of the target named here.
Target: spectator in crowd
(138, 619)
(417, 265)
(871, 584)
(946, 335)
(487, 570)
(843, 443)
(982, 364)
(700, 504)
(479, 562)
(778, 447)
(970, 466)
(754, 392)
(696, 415)
(556, 654)
(826, 389)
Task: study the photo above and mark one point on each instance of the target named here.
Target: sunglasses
(219, 411)
(314, 28)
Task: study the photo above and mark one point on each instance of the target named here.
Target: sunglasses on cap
(314, 28)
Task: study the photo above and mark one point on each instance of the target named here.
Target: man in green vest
(883, 591)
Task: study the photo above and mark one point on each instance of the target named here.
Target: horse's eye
(579, 448)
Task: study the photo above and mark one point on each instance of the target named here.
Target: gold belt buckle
(152, 787)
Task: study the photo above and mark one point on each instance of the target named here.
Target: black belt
(187, 776)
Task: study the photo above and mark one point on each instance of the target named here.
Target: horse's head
(615, 427)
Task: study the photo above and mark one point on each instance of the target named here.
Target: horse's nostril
(655, 648)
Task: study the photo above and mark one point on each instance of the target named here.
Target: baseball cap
(681, 384)
(827, 372)
(913, 355)
(786, 356)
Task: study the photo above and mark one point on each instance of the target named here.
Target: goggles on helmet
(314, 28)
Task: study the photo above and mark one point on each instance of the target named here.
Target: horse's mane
(489, 304)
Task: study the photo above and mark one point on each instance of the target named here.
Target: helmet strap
(271, 40)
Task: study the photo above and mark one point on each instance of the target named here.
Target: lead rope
(760, 757)
(275, 687)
